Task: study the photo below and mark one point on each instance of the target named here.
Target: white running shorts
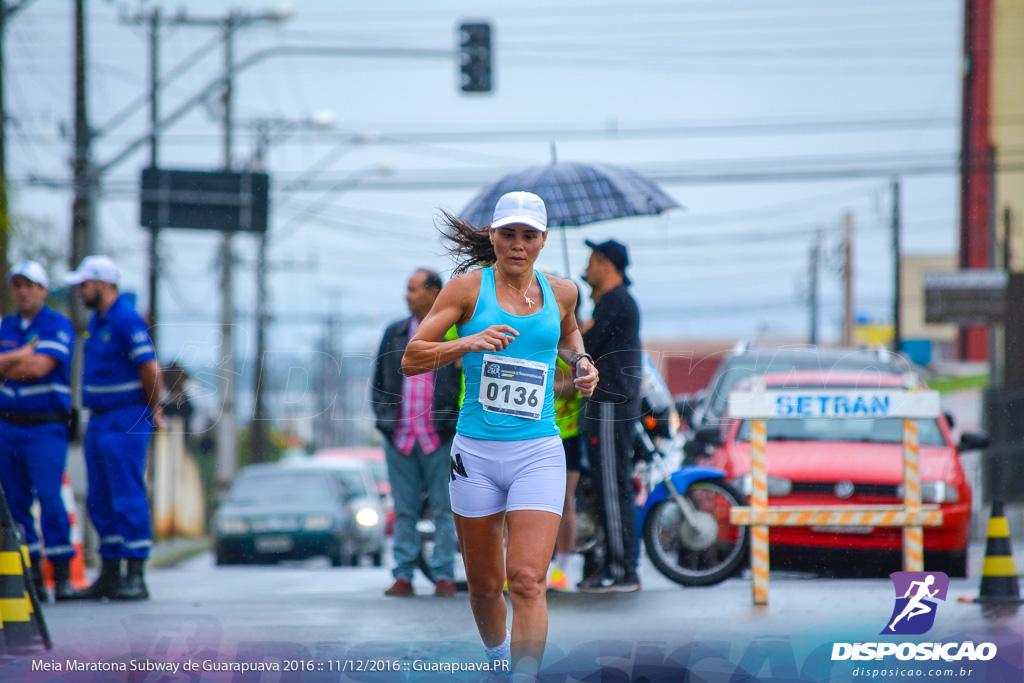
(491, 476)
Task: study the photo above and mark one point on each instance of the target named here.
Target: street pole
(154, 163)
(5, 217)
(813, 297)
(6, 12)
(257, 426)
(848, 279)
(227, 434)
(897, 333)
(84, 179)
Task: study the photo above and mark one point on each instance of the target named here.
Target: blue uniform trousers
(32, 460)
(115, 457)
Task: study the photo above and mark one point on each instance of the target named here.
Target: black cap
(614, 252)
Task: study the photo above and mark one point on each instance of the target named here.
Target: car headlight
(317, 522)
(934, 492)
(232, 525)
(777, 486)
(367, 517)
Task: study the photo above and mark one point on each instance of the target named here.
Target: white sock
(501, 652)
(562, 561)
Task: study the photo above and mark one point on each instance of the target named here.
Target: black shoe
(630, 583)
(133, 587)
(62, 589)
(598, 583)
(105, 586)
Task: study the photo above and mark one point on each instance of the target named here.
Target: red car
(374, 457)
(835, 461)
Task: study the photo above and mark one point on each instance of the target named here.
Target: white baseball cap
(93, 268)
(30, 270)
(520, 207)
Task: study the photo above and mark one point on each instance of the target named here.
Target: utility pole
(227, 423)
(227, 431)
(848, 278)
(897, 333)
(154, 163)
(258, 425)
(82, 234)
(813, 289)
(6, 13)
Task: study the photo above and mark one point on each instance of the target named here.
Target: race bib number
(512, 386)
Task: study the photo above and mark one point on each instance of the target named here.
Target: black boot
(62, 589)
(106, 585)
(133, 587)
(37, 580)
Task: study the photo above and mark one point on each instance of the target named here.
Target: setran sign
(853, 403)
(204, 200)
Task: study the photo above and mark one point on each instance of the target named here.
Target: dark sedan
(273, 513)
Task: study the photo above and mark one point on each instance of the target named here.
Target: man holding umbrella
(613, 338)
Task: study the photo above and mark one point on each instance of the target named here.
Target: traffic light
(475, 57)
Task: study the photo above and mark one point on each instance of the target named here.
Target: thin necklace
(529, 301)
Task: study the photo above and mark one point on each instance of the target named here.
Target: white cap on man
(32, 271)
(526, 208)
(99, 268)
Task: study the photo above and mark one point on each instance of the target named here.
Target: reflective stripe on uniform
(139, 351)
(44, 389)
(112, 388)
(56, 346)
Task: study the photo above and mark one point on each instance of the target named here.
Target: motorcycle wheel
(677, 550)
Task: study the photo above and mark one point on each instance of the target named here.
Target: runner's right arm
(452, 306)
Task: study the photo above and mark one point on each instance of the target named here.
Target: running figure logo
(915, 588)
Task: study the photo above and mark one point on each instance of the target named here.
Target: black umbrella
(576, 194)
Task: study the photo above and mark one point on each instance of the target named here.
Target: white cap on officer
(93, 268)
(30, 270)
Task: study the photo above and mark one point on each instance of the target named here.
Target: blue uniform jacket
(54, 337)
(118, 343)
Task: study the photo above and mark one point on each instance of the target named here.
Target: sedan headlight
(777, 486)
(934, 492)
(232, 525)
(317, 522)
(367, 517)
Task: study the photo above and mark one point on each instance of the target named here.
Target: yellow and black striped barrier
(22, 627)
(999, 582)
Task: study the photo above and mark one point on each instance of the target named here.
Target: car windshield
(853, 430)
(771, 361)
(281, 487)
(352, 481)
(379, 469)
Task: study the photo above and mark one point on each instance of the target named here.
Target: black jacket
(387, 386)
(614, 342)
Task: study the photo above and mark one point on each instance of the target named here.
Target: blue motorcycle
(685, 519)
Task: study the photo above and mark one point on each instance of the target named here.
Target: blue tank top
(536, 344)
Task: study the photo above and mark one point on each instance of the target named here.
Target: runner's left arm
(570, 345)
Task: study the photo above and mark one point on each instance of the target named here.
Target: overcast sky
(706, 93)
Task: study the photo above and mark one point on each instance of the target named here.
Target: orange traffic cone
(998, 574)
(77, 564)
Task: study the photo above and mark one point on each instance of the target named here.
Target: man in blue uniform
(35, 406)
(121, 387)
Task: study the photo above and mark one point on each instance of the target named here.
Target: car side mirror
(949, 420)
(973, 441)
(709, 435)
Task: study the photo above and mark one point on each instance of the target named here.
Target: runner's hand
(494, 338)
(587, 378)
